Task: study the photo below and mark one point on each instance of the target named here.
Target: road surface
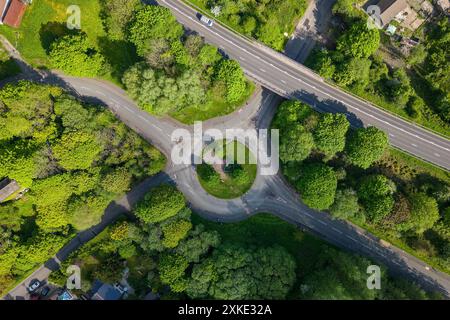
(290, 79)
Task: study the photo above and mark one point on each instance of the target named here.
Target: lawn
(227, 184)
(215, 107)
(44, 20)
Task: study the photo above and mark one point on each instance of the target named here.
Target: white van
(207, 21)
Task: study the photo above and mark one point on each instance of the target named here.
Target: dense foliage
(179, 72)
(267, 20)
(74, 159)
(419, 90)
(352, 174)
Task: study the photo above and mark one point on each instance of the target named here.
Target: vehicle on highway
(34, 284)
(206, 21)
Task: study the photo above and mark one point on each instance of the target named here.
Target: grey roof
(105, 291)
(390, 8)
(7, 188)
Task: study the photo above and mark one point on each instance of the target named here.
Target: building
(12, 11)
(105, 291)
(7, 188)
(390, 9)
(443, 5)
(400, 11)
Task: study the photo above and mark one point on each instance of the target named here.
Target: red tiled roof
(15, 12)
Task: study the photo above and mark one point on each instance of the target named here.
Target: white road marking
(437, 154)
(351, 238)
(302, 81)
(337, 230)
(262, 69)
(324, 223)
(414, 145)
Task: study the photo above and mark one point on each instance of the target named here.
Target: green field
(226, 185)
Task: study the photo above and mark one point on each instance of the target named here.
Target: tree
(345, 204)
(117, 181)
(118, 14)
(159, 204)
(174, 231)
(353, 72)
(296, 144)
(365, 146)
(417, 55)
(76, 150)
(424, 213)
(376, 194)
(230, 72)
(317, 186)
(330, 133)
(160, 94)
(359, 41)
(338, 276)
(323, 64)
(172, 269)
(74, 55)
(198, 243)
(153, 22)
(234, 272)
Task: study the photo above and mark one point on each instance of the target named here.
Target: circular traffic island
(233, 177)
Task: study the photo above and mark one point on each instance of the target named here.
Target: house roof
(7, 188)
(389, 9)
(105, 291)
(14, 13)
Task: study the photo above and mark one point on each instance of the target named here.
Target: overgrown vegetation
(419, 91)
(269, 21)
(361, 179)
(8, 67)
(74, 159)
(260, 258)
(230, 179)
(140, 47)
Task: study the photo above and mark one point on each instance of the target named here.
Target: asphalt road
(290, 79)
(268, 194)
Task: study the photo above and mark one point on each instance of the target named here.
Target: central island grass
(228, 181)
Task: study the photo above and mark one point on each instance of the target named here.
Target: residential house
(400, 11)
(12, 11)
(105, 291)
(7, 188)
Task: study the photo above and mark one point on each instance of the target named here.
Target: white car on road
(207, 21)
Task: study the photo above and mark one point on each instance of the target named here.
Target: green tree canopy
(330, 133)
(159, 204)
(359, 41)
(153, 22)
(75, 55)
(365, 146)
(317, 185)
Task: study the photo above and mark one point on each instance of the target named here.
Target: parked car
(207, 21)
(34, 284)
(45, 291)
